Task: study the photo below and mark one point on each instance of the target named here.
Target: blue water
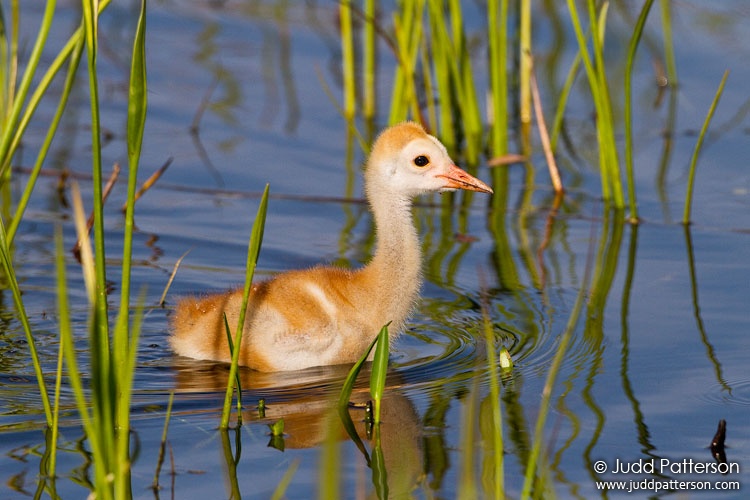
(649, 373)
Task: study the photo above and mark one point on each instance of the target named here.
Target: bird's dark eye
(421, 161)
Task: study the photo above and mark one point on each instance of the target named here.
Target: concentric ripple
(732, 392)
(450, 346)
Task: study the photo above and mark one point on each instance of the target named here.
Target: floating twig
(163, 298)
(149, 182)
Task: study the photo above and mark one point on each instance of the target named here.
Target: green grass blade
(10, 276)
(428, 86)
(605, 121)
(125, 335)
(18, 124)
(595, 72)
(98, 426)
(347, 59)
(408, 31)
(468, 103)
(562, 101)
(228, 331)
(441, 62)
(124, 383)
(628, 122)
(369, 47)
(237, 380)
(28, 76)
(497, 18)
(351, 378)
(103, 375)
(91, 30)
(525, 62)
(256, 239)
(51, 470)
(698, 147)
(345, 396)
(8, 67)
(455, 80)
(75, 52)
(396, 112)
(379, 370)
(137, 107)
(101, 349)
(671, 115)
(74, 375)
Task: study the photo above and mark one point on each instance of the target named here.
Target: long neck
(396, 266)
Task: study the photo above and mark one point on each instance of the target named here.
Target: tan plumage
(327, 315)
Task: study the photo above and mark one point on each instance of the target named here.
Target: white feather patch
(325, 303)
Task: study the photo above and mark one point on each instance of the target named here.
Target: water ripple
(734, 393)
(450, 348)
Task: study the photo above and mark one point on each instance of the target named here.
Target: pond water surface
(659, 356)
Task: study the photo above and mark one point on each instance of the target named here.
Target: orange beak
(459, 179)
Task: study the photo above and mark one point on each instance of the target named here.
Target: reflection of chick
(307, 402)
(324, 315)
(310, 422)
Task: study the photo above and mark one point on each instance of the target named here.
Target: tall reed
(698, 146)
(598, 84)
(100, 330)
(253, 250)
(628, 122)
(524, 70)
(376, 460)
(434, 80)
(347, 56)
(369, 48)
(672, 85)
(408, 29)
(497, 30)
(6, 260)
(14, 98)
(16, 111)
(106, 416)
(377, 375)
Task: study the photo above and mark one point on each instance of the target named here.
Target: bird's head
(407, 160)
